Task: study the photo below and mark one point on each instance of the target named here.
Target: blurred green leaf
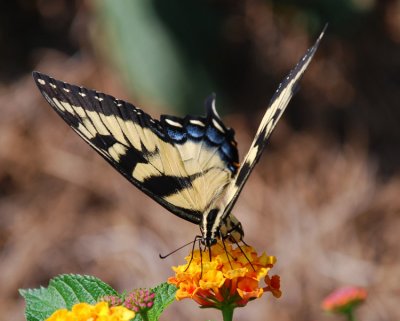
(149, 57)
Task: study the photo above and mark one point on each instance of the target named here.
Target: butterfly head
(208, 241)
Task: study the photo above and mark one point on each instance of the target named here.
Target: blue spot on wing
(195, 131)
(177, 135)
(228, 149)
(202, 130)
(214, 135)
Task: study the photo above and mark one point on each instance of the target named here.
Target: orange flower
(344, 299)
(224, 280)
(273, 285)
(99, 312)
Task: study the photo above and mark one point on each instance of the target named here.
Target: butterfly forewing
(184, 164)
(271, 117)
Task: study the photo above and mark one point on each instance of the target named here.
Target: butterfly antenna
(191, 257)
(179, 248)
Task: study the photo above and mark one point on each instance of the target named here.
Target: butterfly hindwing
(271, 117)
(184, 164)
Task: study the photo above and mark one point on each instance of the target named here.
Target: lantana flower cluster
(99, 312)
(139, 300)
(231, 277)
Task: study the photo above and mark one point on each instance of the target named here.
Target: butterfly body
(188, 165)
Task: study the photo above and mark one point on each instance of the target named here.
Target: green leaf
(41, 303)
(81, 288)
(62, 293)
(165, 295)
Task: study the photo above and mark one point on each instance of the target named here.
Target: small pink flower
(344, 299)
(139, 300)
(112, 300)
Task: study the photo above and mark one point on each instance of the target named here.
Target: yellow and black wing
(271, 117)
(184, 164)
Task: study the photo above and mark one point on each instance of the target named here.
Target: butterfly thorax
(214, 226)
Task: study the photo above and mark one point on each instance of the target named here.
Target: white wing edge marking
(214, 109)
(197, 122)
(172, 123)
(218, 126)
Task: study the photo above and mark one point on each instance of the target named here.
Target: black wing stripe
(101, 139)
(272, 115)
(106, 142)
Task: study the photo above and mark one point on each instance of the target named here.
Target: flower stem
(350, 315)
(227, 312)
(144, 316)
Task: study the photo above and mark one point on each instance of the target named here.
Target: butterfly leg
(228, 255)
(241, 250)
(201, 259)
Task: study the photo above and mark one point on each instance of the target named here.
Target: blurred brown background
(324, 198)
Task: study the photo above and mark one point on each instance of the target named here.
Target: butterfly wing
(182, 163)
(271, 117)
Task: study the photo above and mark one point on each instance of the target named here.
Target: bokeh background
(324, 198)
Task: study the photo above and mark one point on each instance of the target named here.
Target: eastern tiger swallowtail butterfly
(188, 165)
